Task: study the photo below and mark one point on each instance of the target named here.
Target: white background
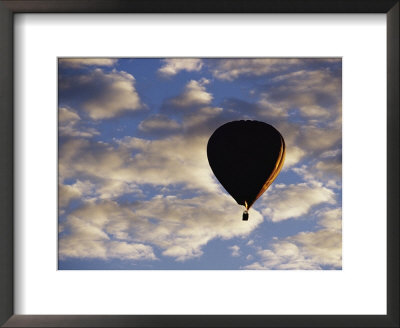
(360, 288)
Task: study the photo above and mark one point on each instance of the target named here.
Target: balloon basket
(245, 216)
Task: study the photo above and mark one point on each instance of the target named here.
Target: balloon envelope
(246, 157)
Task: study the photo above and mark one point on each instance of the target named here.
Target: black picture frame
(10, 7)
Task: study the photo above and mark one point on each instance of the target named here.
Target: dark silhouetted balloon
(246, 157)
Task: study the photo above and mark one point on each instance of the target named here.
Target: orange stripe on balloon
(275, 172)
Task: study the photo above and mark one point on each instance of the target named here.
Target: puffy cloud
(83, 240)
(185, 225)
(268, 109)
(304, 141)
(66, 193)
(159, 125)
(68, 125)
(249, 257)
(202, 120)
(194, 94)
(124, 250)
(102, 95)
(295, 200)
(173, 66)
(88, 240)
(79, 190)
(111, 188)
(81, 62)
(331, 219)
(66, 115)
(306, 250)
(293, 156)
(100, 166)
(331, 153)
(70, 130)
(97, 231)
(171, 161)
(80, 157)
(235, 250)
(327, 170)
(165, 162)
(283, 256)
(316, 94)
(330, 167)
(179, 227)
(315, 138)
(230, 69)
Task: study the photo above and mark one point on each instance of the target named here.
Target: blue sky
(135, 187)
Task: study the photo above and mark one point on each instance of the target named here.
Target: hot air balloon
(246, 157)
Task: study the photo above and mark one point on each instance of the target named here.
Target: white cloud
(67, 115)
(269, 109)
(181, 228)
(201, 117)
(170, 161)
(124, 250)
(331, 167)
(173, 66)
(194, 94)
(293, 156)
(93, 234)
(295, 200)
(305, 172)
(306, 250)
(235, 250)
(316, 94)
(328, 171)
(159, 123)
(102, 94)
(134, 161)
(230, 69)
(83, 240)
(304, 141)
(331, 153)
(185, 225)
(66, 193)
(68, 125)
(113, 188)
(81, 62)
(118, 96)
(315, 138)
(69, 130)
(81, 157)
(79, 189)
(331, 219)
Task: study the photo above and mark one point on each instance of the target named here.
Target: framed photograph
(209, 164)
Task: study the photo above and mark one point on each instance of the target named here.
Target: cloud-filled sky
(135, 187)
